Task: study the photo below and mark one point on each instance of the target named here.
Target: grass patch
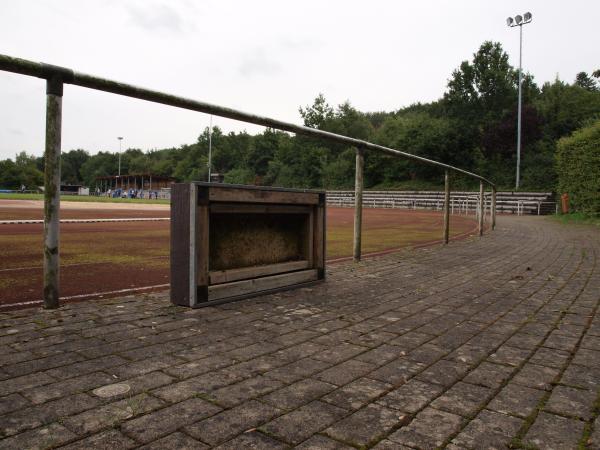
(84, 198)
(578, 218)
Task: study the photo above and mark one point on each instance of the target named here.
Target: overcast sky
(263, 56)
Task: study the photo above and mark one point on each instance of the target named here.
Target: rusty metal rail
(57, 76)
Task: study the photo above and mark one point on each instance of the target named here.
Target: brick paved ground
(483, 344)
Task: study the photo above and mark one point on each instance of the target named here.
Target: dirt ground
(104, 259)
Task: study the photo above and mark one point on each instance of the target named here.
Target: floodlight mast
(519, 21)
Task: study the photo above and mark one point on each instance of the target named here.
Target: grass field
(101, 258)
(84, 199)
(578, 219)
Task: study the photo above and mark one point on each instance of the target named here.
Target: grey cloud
(157, 17)
(258, 63)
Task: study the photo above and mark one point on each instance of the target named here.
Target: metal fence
(57, 76)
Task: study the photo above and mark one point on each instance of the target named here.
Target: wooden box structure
(230, 242)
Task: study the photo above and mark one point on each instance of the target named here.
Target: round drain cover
(111, 390)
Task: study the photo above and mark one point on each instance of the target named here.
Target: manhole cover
(111, 390)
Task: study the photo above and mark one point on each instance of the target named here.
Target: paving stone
(345, 372)
(339, 353)
(375, 339)
(24, 382)
(297, 394)
(109, 439)
(12, 403)
(489, 430)
(489, 375)
(175, 441)
(581, 377)
(587, 357)
(198, 367)
(89, 366)
(397, 372)
(111, 414)
(356, 394)
(516, 400)
(253, 441)
(463, 399)
(59, 389)
(227, 424)
(41, 438)
(318, 442)
(568, 401)
(429, 429)
(251, 388)
(561, 342)
(202, 351)
(381, 355)
(524, 341)
(40, 364)
(255, 366)
(165, 421)
(386, 444)
(297, 370)
(366, 425)
(468, 354)
(511, 356)
(444, 372)
(427, 354)
(411, 397)
(36, 416)
(252, 351)
(141, 367)
(200, 385)
(550, 357)
(299, 425)
(538, 377)
(551, 431)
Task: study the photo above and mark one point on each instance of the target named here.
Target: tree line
(472, 126)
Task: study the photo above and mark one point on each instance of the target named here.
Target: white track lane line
(95, 294)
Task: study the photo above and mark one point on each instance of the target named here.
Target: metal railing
(57, 76)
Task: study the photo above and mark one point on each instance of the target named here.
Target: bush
(578, 168)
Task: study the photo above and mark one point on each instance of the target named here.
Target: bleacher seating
(537, 203)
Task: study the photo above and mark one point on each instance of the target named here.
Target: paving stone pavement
(485, 343)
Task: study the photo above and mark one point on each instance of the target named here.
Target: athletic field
(109, 258)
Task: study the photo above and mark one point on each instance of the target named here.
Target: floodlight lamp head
(527, 17)
(518, 19)
(509, 21)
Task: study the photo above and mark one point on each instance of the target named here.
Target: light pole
(120, 138)
(209, 164)
(519, 21)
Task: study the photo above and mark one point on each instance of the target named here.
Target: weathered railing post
(446, 207)
(481, 208)
(358, 198)
(493, 208)
(54, 91)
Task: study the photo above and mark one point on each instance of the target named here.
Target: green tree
(582, 79)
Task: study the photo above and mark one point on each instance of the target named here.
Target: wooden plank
(202, 251)
(256, 208)
(310, 242)
(227, 276)
(222, 291)
(226, 194)
(319, 243)
(358, 201)
(180, 244)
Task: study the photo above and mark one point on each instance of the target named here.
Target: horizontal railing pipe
(69, 76)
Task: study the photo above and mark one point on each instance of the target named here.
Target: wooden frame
(216, 250)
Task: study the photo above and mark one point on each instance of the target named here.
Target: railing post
(358, 196)
(481, 211)
(493, 208)
(446, 207)
(54, 91)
